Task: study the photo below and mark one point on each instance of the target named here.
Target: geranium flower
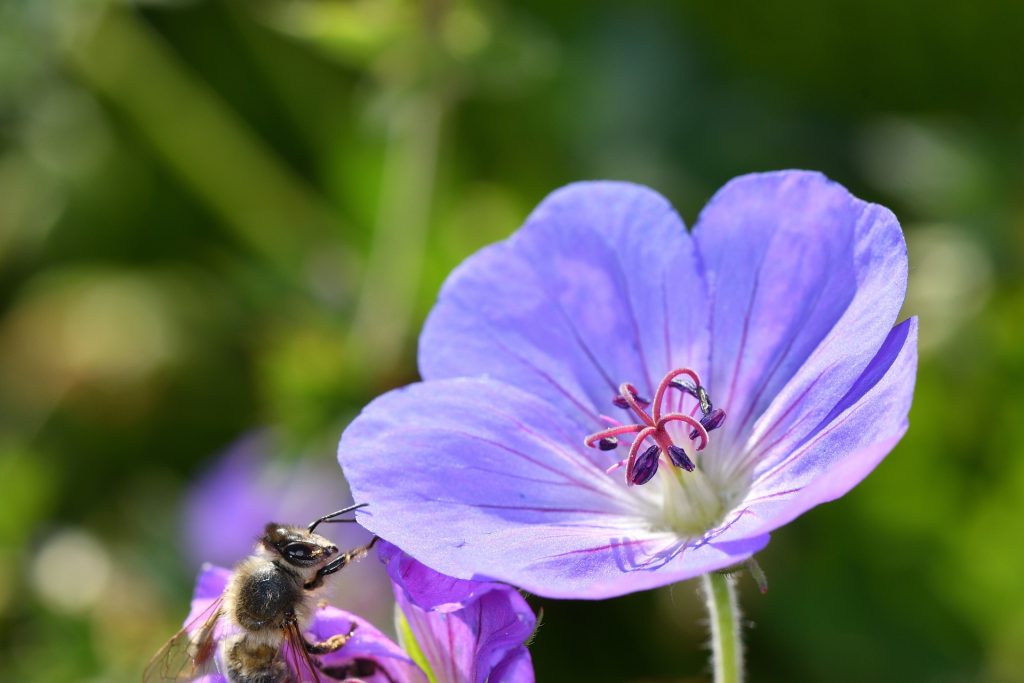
(612, 403)
(452, 631)
(461, 631)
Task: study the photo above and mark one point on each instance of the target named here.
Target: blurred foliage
(219, 215)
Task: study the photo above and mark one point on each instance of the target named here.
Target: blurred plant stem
(391, 279)
(392, 272)
(724, 615)
(205, 143)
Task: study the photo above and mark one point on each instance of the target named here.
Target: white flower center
(690, 503)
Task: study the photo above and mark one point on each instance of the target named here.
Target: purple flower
(454, 631)
(578, 371)
(465, 631)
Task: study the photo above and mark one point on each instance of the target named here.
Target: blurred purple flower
(227, 509)
(758, 352)
(462, 631)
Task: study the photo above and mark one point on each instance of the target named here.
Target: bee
(256, 626)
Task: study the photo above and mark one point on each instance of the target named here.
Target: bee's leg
(338, 563)
(332, 644)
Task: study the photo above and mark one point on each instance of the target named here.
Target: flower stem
(724, 614)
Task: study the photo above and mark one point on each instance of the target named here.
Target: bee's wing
(190, 652)
(298, 658)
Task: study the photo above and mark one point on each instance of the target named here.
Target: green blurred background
(225, 216)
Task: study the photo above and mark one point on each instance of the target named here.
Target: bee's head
(296, 546)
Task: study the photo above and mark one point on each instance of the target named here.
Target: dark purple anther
(621, 402)
(608, 443)
(645, 466)
(714, 420)
(699, 393)
(685, 386)
(710, 422)
(679, 458)
(704, 400)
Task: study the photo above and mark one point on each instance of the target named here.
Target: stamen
(714, 420)
(679, 458)
(645, 466)
(620, 464)
(667, 381)
(628, 397)
(698, 392)
(710, 422)
(634, 450)
(704, 400)
(595, 439)
(688, 388)
(698, 428)
(642, 462)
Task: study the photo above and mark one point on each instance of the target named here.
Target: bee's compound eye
(299, 551)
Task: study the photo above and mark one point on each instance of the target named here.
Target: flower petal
(481, 640)
(209, 586)
(426, 588)
(477, 479)
(211, 583)
(860, 430)
(802, 275)
(367, 650)
(600, 286)
(471, 645)
(517, 667)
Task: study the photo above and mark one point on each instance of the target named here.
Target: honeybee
(257, 623)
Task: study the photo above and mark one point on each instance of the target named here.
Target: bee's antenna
(330, 518)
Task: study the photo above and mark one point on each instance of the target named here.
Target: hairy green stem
(724, 614)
